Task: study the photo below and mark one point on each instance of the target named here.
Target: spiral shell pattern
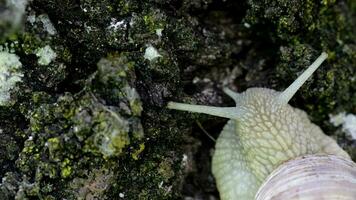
(312, 177)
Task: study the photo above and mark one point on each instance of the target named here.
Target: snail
(264, 133)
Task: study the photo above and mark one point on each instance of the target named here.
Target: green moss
(66, 169)
(153, 21)
(136, 153)
(9, 145)
(112, 133)
(53, 145)
(62, 130)
(328, 2)
(165, 169)
(94, 185)
(30, 43)
(80, 119)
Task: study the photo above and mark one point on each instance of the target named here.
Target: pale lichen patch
(151, 53)
(10, 74)
(45, 55)
(47, 24)
(348, 122)
(116, 25)
(159, 32)
(349, 125)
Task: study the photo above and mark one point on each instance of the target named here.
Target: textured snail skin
(263, 132)
(250, 147)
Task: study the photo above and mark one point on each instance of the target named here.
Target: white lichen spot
(159, 32)
(132, 20)
(47, 24)
(31, 18)
(111, 141)
(115, 25)
(247, 25)
(349, 126)
(184, 160)
(87, 28)
(337, 119)
(151, 53)
(10, 74)
(348, 122)
(121, 195)
(45, 55)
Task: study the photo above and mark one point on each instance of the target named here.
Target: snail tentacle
(225, 112)
(288, 93)
(234, 95)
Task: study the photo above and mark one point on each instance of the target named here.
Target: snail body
(263, 132)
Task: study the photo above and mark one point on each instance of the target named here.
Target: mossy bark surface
(88, 118)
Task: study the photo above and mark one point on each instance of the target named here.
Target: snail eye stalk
(288, 93)
(225, 112)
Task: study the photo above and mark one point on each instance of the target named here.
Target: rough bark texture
(88, 118)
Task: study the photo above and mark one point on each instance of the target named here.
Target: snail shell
(311, 177)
